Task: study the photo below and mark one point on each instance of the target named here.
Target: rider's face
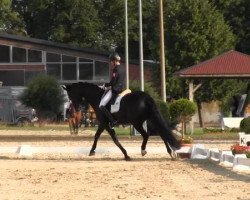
(115, 62)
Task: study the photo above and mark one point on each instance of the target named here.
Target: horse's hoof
(92, 153)
(143, 152)
(127, 158)
(174, 155)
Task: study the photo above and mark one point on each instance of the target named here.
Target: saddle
(115, 107)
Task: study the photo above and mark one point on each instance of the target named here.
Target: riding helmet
(114, 56)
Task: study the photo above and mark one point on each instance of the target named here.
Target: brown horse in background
(74, 118)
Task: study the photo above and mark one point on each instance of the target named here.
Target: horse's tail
(160, 126)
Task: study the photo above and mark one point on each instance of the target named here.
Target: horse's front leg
(171, 152)
(115, 139)
(144, 143)
(97, 135)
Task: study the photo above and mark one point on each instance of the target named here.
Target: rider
(115, 86)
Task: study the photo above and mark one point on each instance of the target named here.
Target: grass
(60, 127)
(199, 133)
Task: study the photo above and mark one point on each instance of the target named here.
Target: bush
(164, 109)
(148, 88)
(182, 110)
(248, 154)
(245, 125)
(44, 94)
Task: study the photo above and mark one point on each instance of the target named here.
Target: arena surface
(108, 176)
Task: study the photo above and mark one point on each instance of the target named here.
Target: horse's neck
(94, 102)
(94, 97)
(72, 108)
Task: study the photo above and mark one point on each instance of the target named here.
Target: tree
(76, 23)
(61, 20)
(44, 94)
(195, 31)
(236, 14)
(9, 20)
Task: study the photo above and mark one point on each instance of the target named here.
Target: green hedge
(245, 125)
(182, 110)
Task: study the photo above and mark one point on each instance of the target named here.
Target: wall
(210, 114)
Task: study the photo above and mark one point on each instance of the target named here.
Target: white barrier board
(244, 139)
(231, 122)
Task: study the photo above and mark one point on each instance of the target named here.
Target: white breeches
(106, 98)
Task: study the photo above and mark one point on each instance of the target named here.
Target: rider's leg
(109, 116)
(106, 98)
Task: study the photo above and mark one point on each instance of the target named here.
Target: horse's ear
(63, 87)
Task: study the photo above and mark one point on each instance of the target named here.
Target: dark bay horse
(74, 118)
(135, 108)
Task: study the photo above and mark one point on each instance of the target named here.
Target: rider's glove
(103, 87)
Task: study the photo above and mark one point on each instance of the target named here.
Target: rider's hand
(103, 87)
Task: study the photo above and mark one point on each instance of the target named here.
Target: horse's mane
(87, 87)
(86, 84)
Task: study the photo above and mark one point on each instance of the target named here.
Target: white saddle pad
(116, 106)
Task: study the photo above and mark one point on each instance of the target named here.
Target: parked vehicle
(12, 111)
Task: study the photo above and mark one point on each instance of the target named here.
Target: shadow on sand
(219, 170)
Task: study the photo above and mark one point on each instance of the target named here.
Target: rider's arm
(113, 79)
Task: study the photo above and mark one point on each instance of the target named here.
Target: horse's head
(73, 95)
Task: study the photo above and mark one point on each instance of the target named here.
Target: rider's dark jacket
(117, 81)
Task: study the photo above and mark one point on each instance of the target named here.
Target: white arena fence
(238, 162)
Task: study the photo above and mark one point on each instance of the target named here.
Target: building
(22, 58)
(229, 65)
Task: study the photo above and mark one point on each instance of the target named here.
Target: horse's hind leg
(76, 128)
(71, 127)
(145, 136)
(77, 122)
(113, 136)
(97, 135)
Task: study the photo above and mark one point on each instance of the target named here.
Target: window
(86, 71)
(19, 54)
(54, 70)
(68, 59)
(69, 71)
(34, 56)
(85, 60)
(101, 71)
(17, 78)
(5, 54)
(52, 57)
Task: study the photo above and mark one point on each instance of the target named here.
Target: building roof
(231, 64)
(18, 38)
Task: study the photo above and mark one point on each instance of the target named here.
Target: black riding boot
(112, 121)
